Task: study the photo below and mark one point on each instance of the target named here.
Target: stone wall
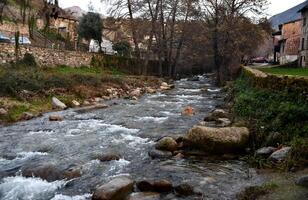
(46, 57)
(9, 28)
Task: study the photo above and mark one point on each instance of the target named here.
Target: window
(303, 43)
(304, 21)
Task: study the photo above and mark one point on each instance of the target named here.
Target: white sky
(275, 7)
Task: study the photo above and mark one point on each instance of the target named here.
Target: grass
(253, 192)
(63, 69)
(269, 113)
(286, 71)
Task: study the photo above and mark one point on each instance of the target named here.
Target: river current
(129, 128)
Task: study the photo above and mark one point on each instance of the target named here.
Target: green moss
(286, 71)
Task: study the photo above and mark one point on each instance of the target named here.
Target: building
(287, 42)
(303, 53)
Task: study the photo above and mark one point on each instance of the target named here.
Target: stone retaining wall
(294, 84)
(46, 57)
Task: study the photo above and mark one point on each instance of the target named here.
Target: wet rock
(179, 156)
(220, 113)
(135, 93)
(164, 84)
(72, 173)
(218, 140)
(166, 144)
(145, 186)
(116, 189)
(3, 112)
(302, 181)
(134, 98)
(223, 122)
(188, 111)
(184, 189)
(280, 154)
(157, 154)
(57, 104)
(108, 157)
(26, 116)
(54, 118)
(265, 151)
(93, 107)
(144, 196)
(50, 173)
(162, 186)
(75, 103)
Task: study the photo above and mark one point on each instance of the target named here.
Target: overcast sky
(275, 7)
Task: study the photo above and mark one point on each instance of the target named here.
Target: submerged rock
(218, 140)
(161, 186)
(302, 181)
(157, 154)
(55, 118)
(144, 196)
(108, 157)
(188, 111)
(116, 189)
(280, 154)
(166, 144)
(57, 104)
(184, 189)
(265, 151)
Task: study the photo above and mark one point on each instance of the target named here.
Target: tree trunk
(133, 29)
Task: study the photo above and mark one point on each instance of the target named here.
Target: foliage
(90, 27)
(51, 35)
(27, 61)
(123, 48)
(286, 71)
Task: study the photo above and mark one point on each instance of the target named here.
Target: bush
(27, 61)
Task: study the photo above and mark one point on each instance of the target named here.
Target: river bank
(27, 92)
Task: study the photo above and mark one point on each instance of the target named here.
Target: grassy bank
(26, 87)
(275, 117)
(286, 71)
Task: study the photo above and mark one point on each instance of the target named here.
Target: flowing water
(128, 128)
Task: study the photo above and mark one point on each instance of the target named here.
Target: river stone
(54, 118)
(157, 154)
(280, 154)
(145, 186)
(26, 116)
(218, 140)
(3, 112)
(223, 122)
(166, 144)
(219, 113)
(135, 93)
(302, 181)
(75, 103)
(116, 189)
(57, 104)
(265, 151)
(144, 196)
(162, 186)
(184, 189)
(188, 111)
(108, 157)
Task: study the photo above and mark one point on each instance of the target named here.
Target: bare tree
(3, 4)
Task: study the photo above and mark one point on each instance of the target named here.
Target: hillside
(287, 16)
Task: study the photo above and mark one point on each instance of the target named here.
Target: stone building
(287, 42)
(303, 53)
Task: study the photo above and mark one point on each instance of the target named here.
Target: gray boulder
(280, 154)
(265, 151)
(57, 104)
(302, 181)
(116, 189)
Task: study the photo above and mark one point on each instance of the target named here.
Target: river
(129, 128)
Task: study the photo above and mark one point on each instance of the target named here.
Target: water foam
(77, 197)
(31, 154)
(18, 187)
(152, 119)
(213, 90)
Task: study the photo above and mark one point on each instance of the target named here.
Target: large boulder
(116, 189)
(166, 144)
(218, 140)
(144, 196)
(280, 154)
(57, 104)
(161, 186)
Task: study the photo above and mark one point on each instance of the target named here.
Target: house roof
(304, 8)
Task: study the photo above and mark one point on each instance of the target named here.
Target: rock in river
(108, 157)
(116, 189)
(166, 144)
(188, 111)
(265, 151)
(184, 189)
(157, 154)
(302, 181)
(55, 118)
(144, 196)
(161, 186)
(57, 104)
(218, 140)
